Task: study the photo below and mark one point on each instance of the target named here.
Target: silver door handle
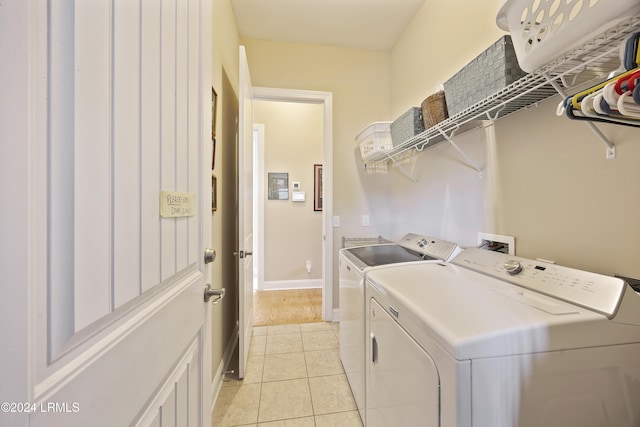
(374, 349)
(209, 255)
(242, 254)
(209, 293)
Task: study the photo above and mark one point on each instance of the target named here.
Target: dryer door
(403, 385)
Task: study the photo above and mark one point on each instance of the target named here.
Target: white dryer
(492, 340)
(355, 262)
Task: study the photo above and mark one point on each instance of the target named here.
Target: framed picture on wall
(278, 186)
(317, 187)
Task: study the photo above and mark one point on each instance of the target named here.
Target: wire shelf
(592, 60)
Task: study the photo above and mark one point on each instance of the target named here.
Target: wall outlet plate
(510, 241)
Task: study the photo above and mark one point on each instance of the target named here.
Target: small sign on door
(173, 205)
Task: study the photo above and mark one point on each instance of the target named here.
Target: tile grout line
(264, 359)
(306, 366)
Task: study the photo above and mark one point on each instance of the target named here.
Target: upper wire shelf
(592, 60)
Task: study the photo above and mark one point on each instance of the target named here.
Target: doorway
(302, 184)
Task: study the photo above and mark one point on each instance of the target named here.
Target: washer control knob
(422, 243)
(513, 267)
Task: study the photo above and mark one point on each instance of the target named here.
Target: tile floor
(294, 378)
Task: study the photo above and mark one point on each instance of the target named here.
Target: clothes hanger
(632, 53)
(574, 114)
(636, 94)
(622, 84)
(628, 106)
(577, 98)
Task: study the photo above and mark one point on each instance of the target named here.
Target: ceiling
(360, 24)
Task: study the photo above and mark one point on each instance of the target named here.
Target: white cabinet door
(403, 385)
(104, 322)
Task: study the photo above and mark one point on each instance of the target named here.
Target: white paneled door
(245, 212)
(105, 109)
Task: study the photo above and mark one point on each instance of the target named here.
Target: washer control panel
(430, 246)
(593, 291)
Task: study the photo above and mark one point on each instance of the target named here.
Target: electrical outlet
(336, 221)
(497, 242)
(365, 220)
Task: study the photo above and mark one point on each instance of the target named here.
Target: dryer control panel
(595, 292)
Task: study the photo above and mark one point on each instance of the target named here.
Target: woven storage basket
(407, 126)
(492, 70)
(434, 110)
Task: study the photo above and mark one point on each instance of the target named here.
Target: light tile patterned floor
(294, 379)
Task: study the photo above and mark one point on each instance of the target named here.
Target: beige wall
(358, 80)
(561, 198)
(546, 180)
(292, 230)
(441, 39)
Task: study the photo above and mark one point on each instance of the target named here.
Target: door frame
(326, 99)
(258, 205)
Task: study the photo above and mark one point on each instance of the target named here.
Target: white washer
(492, 340)
(355, 262)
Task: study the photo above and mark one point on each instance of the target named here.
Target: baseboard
(216, 385)
(336, 315)
(279, 285)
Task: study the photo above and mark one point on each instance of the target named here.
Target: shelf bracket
(462, 153)
(565, 81)
(403, 170)
(611, 148)
(496, 113)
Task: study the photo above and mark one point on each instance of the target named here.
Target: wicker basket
(434, 110)
(407, 126)
(492, 70)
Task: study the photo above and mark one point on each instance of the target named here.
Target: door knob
(209, 293)
(209, 255)
(242, 254)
